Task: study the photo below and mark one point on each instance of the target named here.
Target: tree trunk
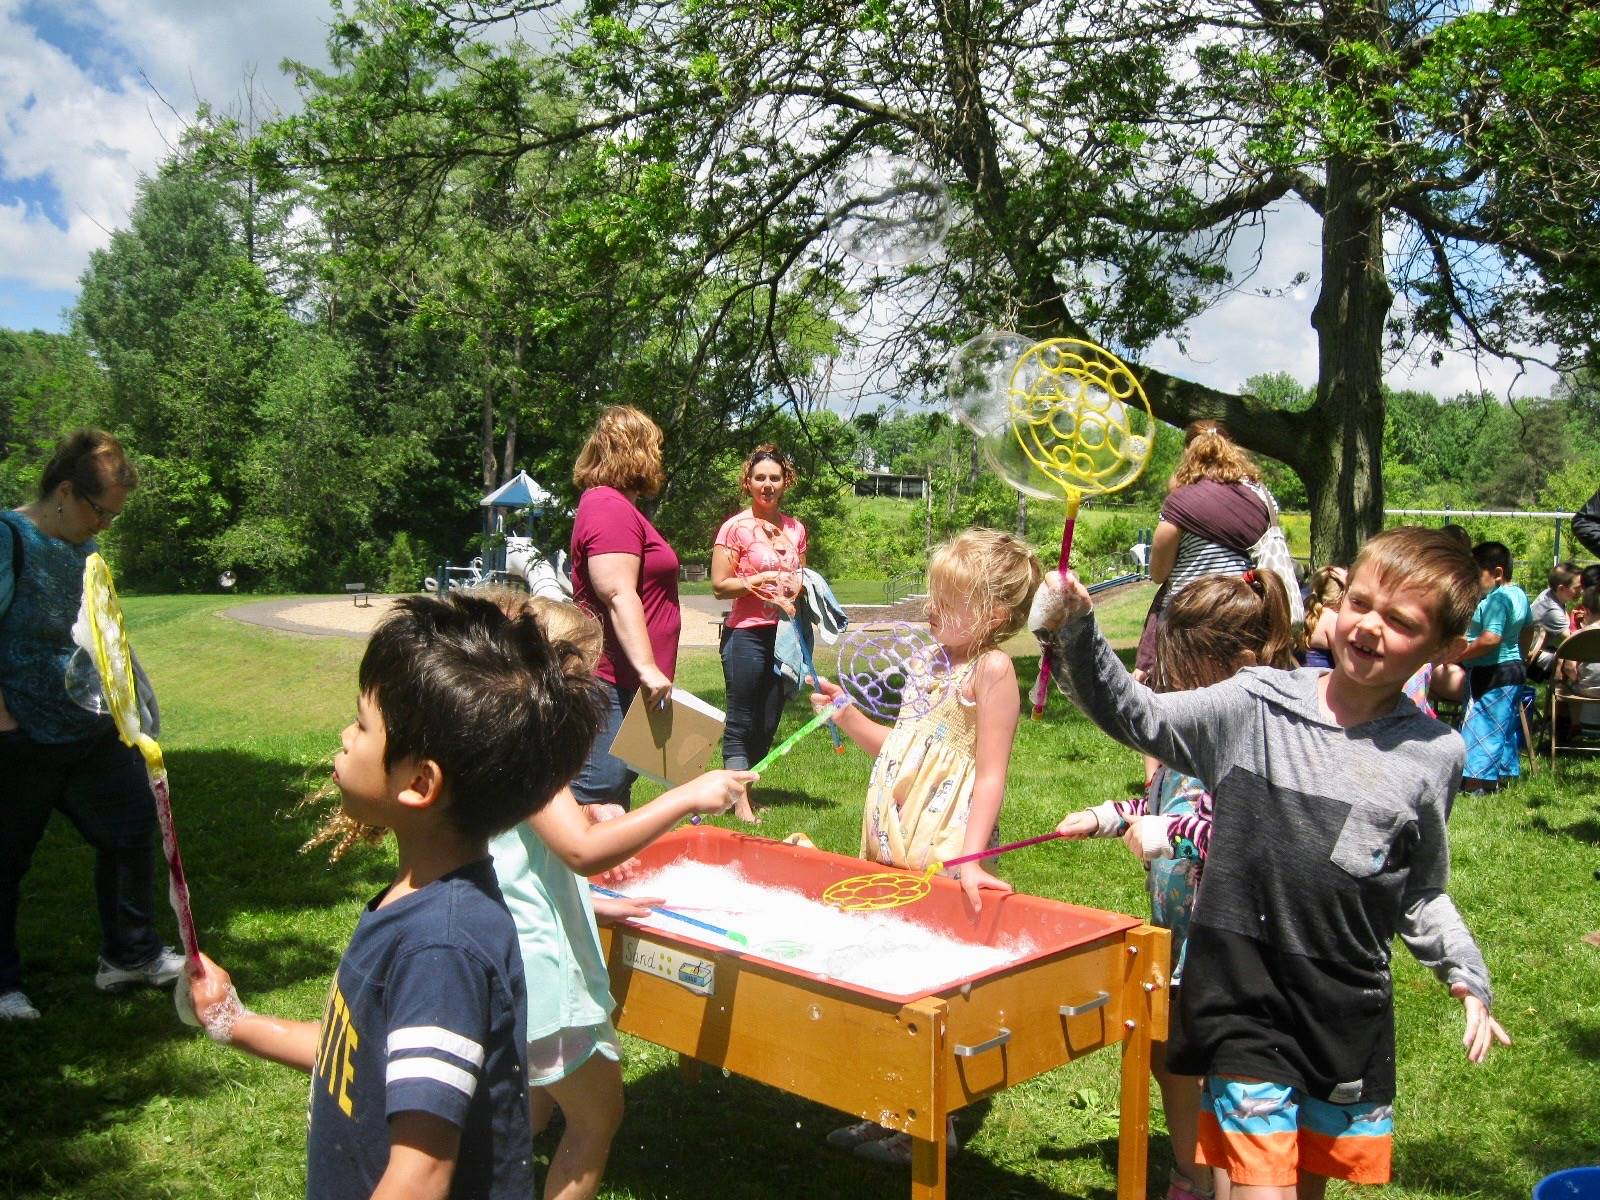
(510, 458)
(1345, 481)
(486, 431)
(1022, 515)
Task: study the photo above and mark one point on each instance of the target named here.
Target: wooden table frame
(908, 1066)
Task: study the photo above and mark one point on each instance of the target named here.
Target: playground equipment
(1092, 980)
(511, 557)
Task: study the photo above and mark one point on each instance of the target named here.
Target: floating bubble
(83, 683)
(978, 389)
(888, 210)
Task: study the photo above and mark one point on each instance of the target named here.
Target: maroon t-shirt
(608, 522)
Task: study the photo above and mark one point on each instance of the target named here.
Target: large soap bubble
(888, 210)
(979, 383)
(86, 690)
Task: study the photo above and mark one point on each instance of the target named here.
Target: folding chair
(1578, 650)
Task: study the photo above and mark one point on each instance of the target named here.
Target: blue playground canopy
(520, 491)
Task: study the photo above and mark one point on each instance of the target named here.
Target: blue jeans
(100, 786)
(604, 779)
(755, 695)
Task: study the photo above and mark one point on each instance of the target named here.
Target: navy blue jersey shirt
(426, 1014)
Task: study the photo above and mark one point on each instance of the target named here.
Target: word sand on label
(882, 951)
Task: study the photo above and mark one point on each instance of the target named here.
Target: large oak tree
(1112, 163)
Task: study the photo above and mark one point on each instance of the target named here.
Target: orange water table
(1095, 979)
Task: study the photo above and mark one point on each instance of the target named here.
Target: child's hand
(619, 874)
(973, 877)
(1078, 825)
(1060, 598)
(1482, 1029)
(609, 909)
(1149, 837)
(209, 996)
(825, 697)
(718, 791)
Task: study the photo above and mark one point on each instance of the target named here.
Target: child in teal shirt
(1495, 673)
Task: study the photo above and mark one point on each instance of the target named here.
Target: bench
(359, 595)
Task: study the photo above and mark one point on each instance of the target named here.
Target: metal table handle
(1100, 1000)
(994, 1043)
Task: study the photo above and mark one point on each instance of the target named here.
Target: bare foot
(800, 839)
(746, 813)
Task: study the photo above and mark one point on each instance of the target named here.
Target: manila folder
(671, 745)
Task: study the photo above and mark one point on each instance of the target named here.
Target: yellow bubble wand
(1070, 413)
(99, 631)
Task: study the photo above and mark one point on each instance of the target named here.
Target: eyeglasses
(105, 514)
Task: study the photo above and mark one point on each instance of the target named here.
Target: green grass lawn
(109, 1097)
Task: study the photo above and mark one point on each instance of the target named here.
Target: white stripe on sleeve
(434, 1037)
(434, 1069)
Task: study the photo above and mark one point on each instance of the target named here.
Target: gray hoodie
(1326, 843)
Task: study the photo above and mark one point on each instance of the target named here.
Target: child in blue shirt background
(1495, 673)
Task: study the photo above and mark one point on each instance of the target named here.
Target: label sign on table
(699, 975)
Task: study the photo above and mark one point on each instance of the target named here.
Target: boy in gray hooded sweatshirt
(1331, 793)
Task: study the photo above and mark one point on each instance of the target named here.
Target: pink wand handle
(993, 850)
(1041, 687)
(177, 885)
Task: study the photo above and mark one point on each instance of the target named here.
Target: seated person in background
(1585, 677)
(1550, 615)
(1582, 614)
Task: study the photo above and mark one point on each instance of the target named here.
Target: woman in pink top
(626, 575)
(756, 563)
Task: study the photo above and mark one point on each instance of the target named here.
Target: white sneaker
(161, 970)
(14, 1006)
(895, 1150)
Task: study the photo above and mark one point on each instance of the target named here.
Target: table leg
(1145, 960)
(688, 1068)
(928, 1168)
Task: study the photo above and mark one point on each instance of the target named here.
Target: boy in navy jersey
(467, 722)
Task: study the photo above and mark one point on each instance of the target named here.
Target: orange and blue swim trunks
(1268, 1133)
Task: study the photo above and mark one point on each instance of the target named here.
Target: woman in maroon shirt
(626, 574)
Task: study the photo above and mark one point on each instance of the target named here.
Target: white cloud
(87, 126)
(1250, 334)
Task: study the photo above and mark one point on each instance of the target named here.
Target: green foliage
(405, 566)
(48, 385)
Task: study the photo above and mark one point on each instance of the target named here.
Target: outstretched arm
(589, 848)
(852, 722)
(1185, 730)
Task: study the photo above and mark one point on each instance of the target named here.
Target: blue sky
(94, 93)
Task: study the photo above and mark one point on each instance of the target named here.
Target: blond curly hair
(991, 573)
(1210, 453)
